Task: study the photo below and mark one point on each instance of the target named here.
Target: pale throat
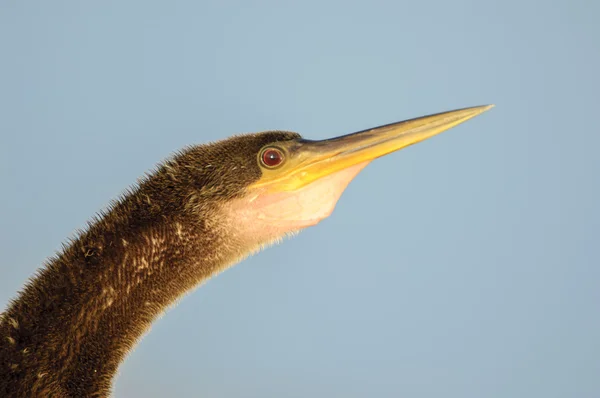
(262, 216)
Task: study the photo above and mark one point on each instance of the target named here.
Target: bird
(198, 213)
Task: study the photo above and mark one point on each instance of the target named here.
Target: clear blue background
(465, 266)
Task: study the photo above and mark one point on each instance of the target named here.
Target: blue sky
(465, 266)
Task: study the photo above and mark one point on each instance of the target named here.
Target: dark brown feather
(68, 330)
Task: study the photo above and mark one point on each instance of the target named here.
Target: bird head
(281, 183)
(269, 184)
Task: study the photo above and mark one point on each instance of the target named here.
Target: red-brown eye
(272, 157)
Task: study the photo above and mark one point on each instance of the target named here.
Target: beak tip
(477, 110)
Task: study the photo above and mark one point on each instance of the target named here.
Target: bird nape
(200, 212)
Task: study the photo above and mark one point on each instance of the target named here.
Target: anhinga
(200, 212)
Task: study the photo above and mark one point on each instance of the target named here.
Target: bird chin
(263, 215)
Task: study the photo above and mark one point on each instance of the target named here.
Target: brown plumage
(198, 213)
(67, 331)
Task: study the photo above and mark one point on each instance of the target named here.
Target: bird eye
(271, 157)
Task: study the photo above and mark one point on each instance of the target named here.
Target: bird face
(301, 181)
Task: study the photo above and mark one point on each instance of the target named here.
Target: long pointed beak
(311, 160)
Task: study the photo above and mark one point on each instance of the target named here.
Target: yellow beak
(307, 161)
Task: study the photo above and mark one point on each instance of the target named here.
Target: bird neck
(74, 323)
